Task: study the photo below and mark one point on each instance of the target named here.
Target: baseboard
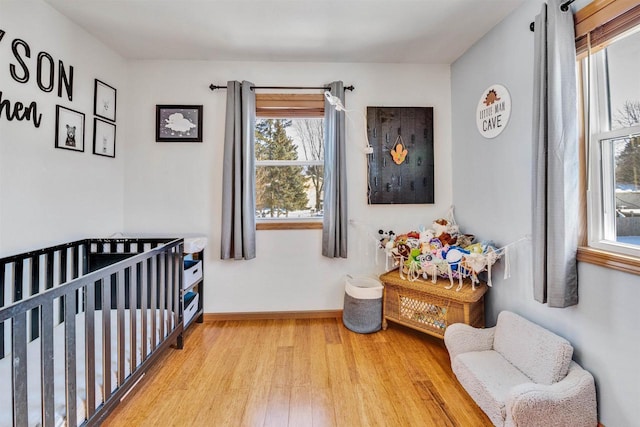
(274, 315)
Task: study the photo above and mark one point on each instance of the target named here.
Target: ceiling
(385, 31)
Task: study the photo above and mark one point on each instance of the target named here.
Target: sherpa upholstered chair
(521, 374)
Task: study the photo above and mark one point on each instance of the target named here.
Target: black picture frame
(69, 129)
(104, 100)
(104, 138)
(178, 123)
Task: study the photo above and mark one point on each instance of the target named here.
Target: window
(289, 161)
(612, 94)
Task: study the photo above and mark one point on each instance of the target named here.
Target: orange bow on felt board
(399, 152)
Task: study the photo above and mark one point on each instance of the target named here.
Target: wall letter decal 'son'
(12, 68)
(2, 33)
(45, 69)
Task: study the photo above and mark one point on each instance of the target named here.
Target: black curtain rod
(214, 87)
(563, 7)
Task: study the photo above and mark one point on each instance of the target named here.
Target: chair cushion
(488, 377)
(539, 353)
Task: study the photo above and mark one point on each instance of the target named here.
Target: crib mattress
(34, 365)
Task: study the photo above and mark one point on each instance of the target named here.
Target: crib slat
(120, 306)
(169, 293)
(35, 289)
(162, 284)
(17, 280)
(46, 370)
(70, 357)
(85, 258)
(62, 276)
(74, 262)
(142, 271)
(177, 286)
(90, 347)
(19, 359)
(2, 272)
(154, 293)
(133, 301)
(169, 290)
(106, 337)
(2, 302)
(63, 266)
(49, 260)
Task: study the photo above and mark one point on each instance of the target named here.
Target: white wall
(50, 195)
(492, 194)
(176, 188)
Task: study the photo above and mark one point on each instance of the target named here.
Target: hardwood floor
(306, 372)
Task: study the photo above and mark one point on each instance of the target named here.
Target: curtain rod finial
(565, 6)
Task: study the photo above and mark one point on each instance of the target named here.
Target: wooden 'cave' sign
(401, 165)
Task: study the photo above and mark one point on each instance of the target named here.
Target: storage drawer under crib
(190, 306)
(192, 273)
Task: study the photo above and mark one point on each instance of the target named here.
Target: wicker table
(428, 306)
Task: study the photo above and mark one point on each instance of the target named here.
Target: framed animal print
(104, 138)
(69, 129)
(104, 101)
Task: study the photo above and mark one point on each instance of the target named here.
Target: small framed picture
(104, 101)
(69, 129)
(178, 123)
(104, 138)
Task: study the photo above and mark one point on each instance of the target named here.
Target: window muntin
(613, 198)
(289, 169)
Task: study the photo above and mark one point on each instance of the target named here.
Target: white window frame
(302, 163)
(601, 210)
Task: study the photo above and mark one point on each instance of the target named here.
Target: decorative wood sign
(402, 164)
(493, 111)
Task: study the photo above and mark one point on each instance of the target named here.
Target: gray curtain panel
(334, 228)
(238, 174)
(555, 157)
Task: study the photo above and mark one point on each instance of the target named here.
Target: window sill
(289, 225)
(626, 263)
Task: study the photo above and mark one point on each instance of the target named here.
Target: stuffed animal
(426, 235)
(444, 226)
(447, 239)
(403, 250)
(465, 240)
(386, 237)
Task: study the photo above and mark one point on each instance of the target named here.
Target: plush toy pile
(441, 251)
